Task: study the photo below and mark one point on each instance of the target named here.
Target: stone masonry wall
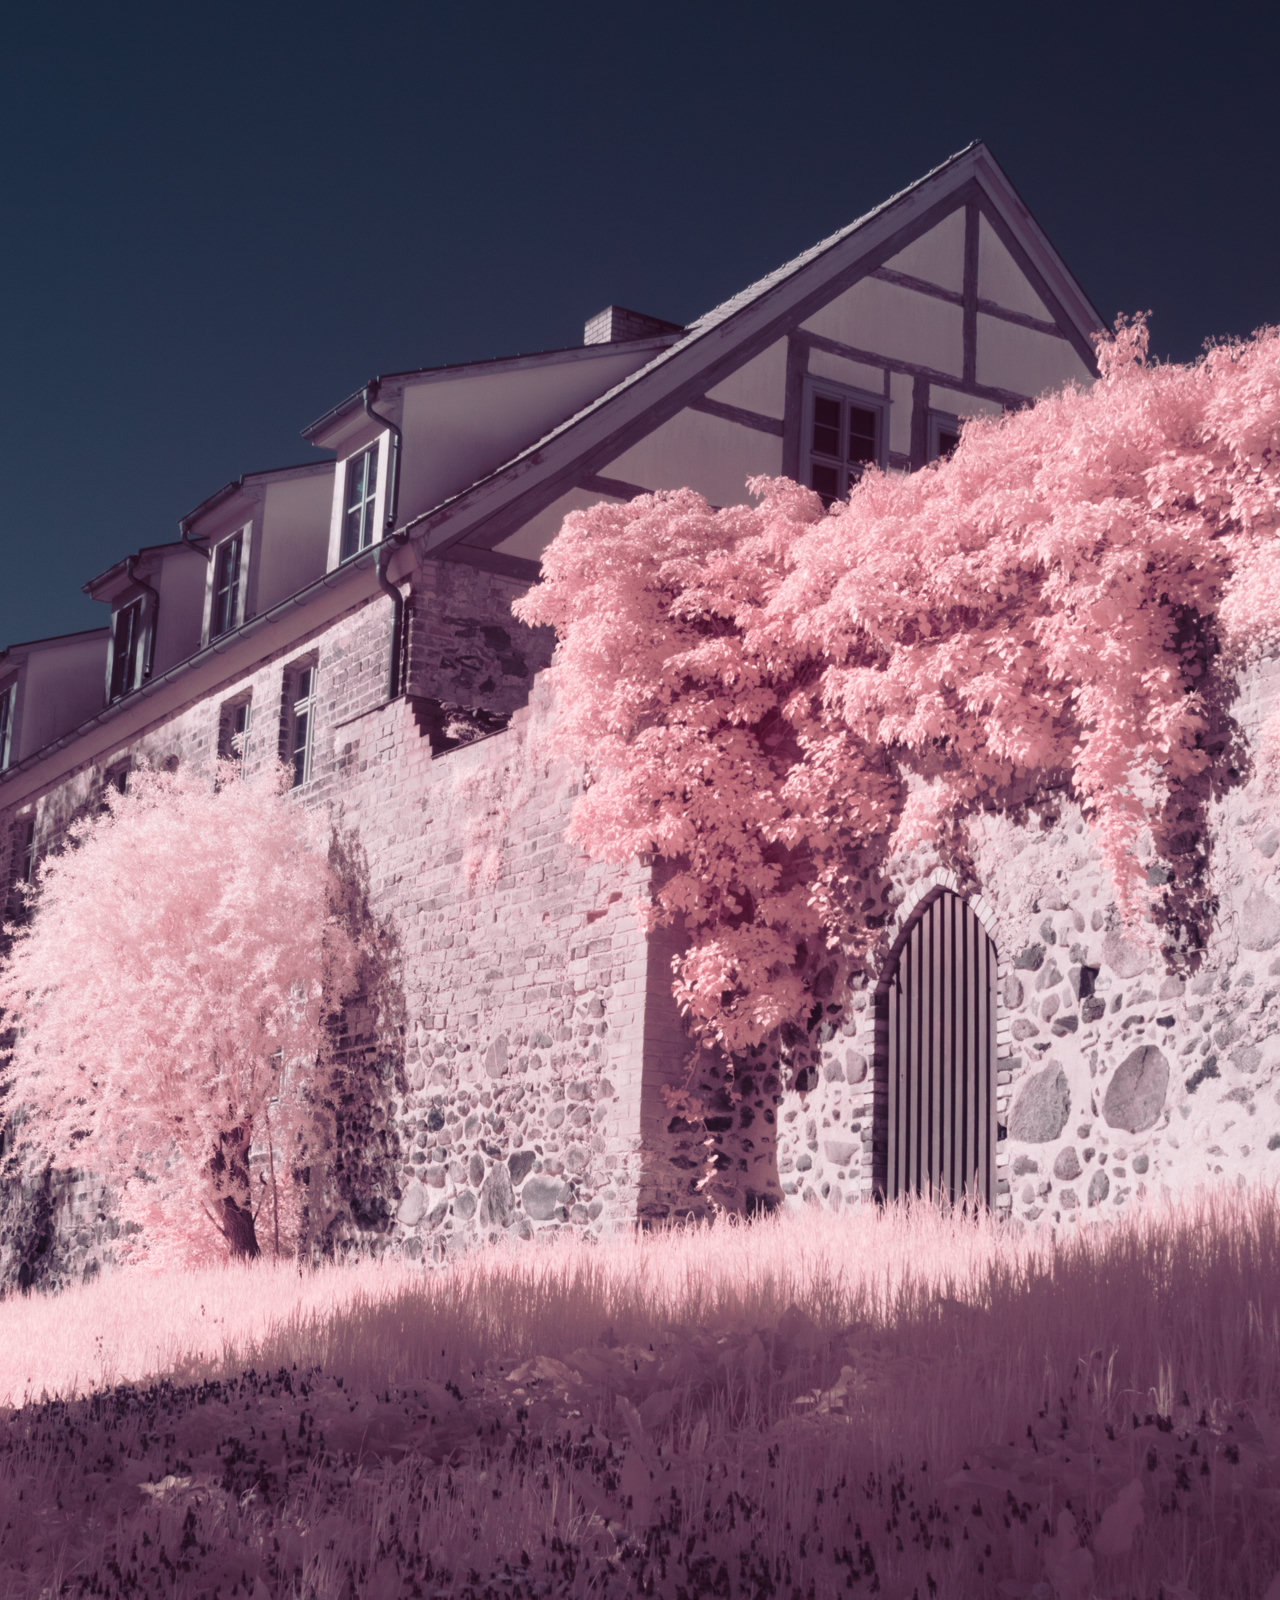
(1119, 1069)
(497, 1066)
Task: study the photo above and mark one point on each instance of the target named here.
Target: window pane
(301, 729)
(826, 480)
(947, 441)
(351, 533)
(862, 434)
(302, 688)
(826, 425)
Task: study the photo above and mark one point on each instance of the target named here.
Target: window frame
(8, 719)
(941, 422)
(235, 728)
(135, 654)
(846, 395)
(366, 506)
(226, 620)
(299, 704)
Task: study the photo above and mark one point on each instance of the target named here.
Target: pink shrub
(761, 693)
(170, 994)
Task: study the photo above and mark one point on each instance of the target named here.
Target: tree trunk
(232, 1211)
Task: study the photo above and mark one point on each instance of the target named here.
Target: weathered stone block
(1043, 1105)
(841, 1151)
(539, 1198)
(413, 1204)
(520, 1164)
(1125, 957)
(1099, 1188)
(497, 1199)
(1067, 1166)
(1259, 921)
(1136, 1094)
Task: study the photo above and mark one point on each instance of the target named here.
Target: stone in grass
(1043, 1105)
(1135, 1095)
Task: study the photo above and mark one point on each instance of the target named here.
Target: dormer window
(8, 706)
(128, 632)
(844, 436)
(228, 567)
(359, 502)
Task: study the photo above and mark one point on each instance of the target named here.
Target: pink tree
(169, 997)
(768, 695)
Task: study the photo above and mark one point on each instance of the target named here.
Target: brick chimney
(615, 324)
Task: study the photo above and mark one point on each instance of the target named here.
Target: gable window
(8, 705)
(359, 502)
(233, 729)
(844, 436)
(299, 720)
(127, 636)
(944, 434)
(228, 563)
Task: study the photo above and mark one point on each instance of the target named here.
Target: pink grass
(785, 1400)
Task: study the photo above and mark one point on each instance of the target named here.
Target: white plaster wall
(960, 404)
(824, 364)
(295, 535)
(1027, 362)
(760, 385)
(61, 684)
(1001, 279)
(460, 429)
(700, 452)
(936, 256)
(895, 322)
(533, 538)
(181, 581)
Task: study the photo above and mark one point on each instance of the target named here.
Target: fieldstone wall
(500, 1072)
(1122, 1065)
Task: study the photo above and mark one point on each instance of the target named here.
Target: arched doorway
(937, 1043)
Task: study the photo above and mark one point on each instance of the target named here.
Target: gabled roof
(467, 524)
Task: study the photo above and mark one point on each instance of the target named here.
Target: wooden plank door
(942, 1057)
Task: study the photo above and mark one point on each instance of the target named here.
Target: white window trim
(289, 719)
(146, 616)
(831, 389)
(338, 516)
(9, 730)
(243, 611)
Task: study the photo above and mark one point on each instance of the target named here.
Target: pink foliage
(169, 994)
(761, 692)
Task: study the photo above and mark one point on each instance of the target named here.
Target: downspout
(389, 544)
(149, 659)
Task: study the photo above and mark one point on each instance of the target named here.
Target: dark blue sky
(220, 220)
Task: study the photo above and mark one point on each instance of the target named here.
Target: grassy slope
(810, 1405)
